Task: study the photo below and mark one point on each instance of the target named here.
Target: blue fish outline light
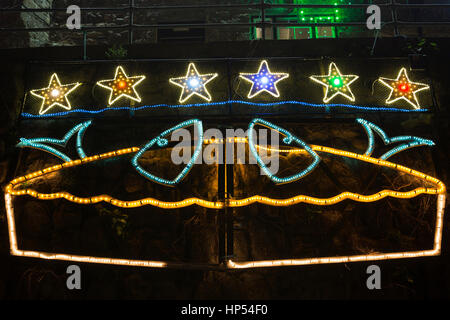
(369, 127)
(41, 143)
(411, 141)
(162, 142)
(288, 139)
(263, 80)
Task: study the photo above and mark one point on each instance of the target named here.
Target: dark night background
(193, 234)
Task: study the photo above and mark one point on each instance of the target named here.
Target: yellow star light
(263, 81)
(122, 86)
(193, 84)
(336, 83)
(55, 94)
(403, 88)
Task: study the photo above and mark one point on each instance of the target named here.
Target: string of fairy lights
(263, 82)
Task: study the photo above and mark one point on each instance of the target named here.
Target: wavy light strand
(222, 103)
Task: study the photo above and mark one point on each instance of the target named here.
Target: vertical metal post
(229, 212)
(230, 91)
(394, 18)
(84, 45)
(263, 19)
(131, 23)
(221, 217)
(226, 191)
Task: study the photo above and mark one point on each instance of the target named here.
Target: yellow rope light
(355, 258)
(232, 203)
(440, 190)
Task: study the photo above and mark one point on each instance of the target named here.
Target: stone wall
(121, 17)
(147, 17)
(37, 20)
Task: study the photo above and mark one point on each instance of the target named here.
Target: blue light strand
(369, 127)
(221, 103)
(161, 142)
(289, 138)
(40, 143)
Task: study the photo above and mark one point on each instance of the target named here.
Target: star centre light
(193, 82)
(55, 93)
(122, 84)
(404, 87)
(264, 80)
(337, 82)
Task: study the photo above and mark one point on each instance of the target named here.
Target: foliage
(116, 52)
(119, 220)
(422, 46)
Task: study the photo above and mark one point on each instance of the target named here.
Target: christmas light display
(162, 142)
(122, 86)
(403, 89)
(193, 84)
(289, 139)
(439, 189)
(22, 186)
(55, 94)
(336, 83)
(41, 143)
(263, 81)
(411, 141)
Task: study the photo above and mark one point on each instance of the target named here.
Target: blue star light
(263, 80)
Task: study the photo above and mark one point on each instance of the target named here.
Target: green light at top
(316, 16)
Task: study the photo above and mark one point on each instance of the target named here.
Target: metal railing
(260, 9)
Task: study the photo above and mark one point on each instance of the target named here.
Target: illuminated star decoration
(193, 84)
(263, 80)
(403, 88)
(55, 94)
(122, 86)
(336, 83)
